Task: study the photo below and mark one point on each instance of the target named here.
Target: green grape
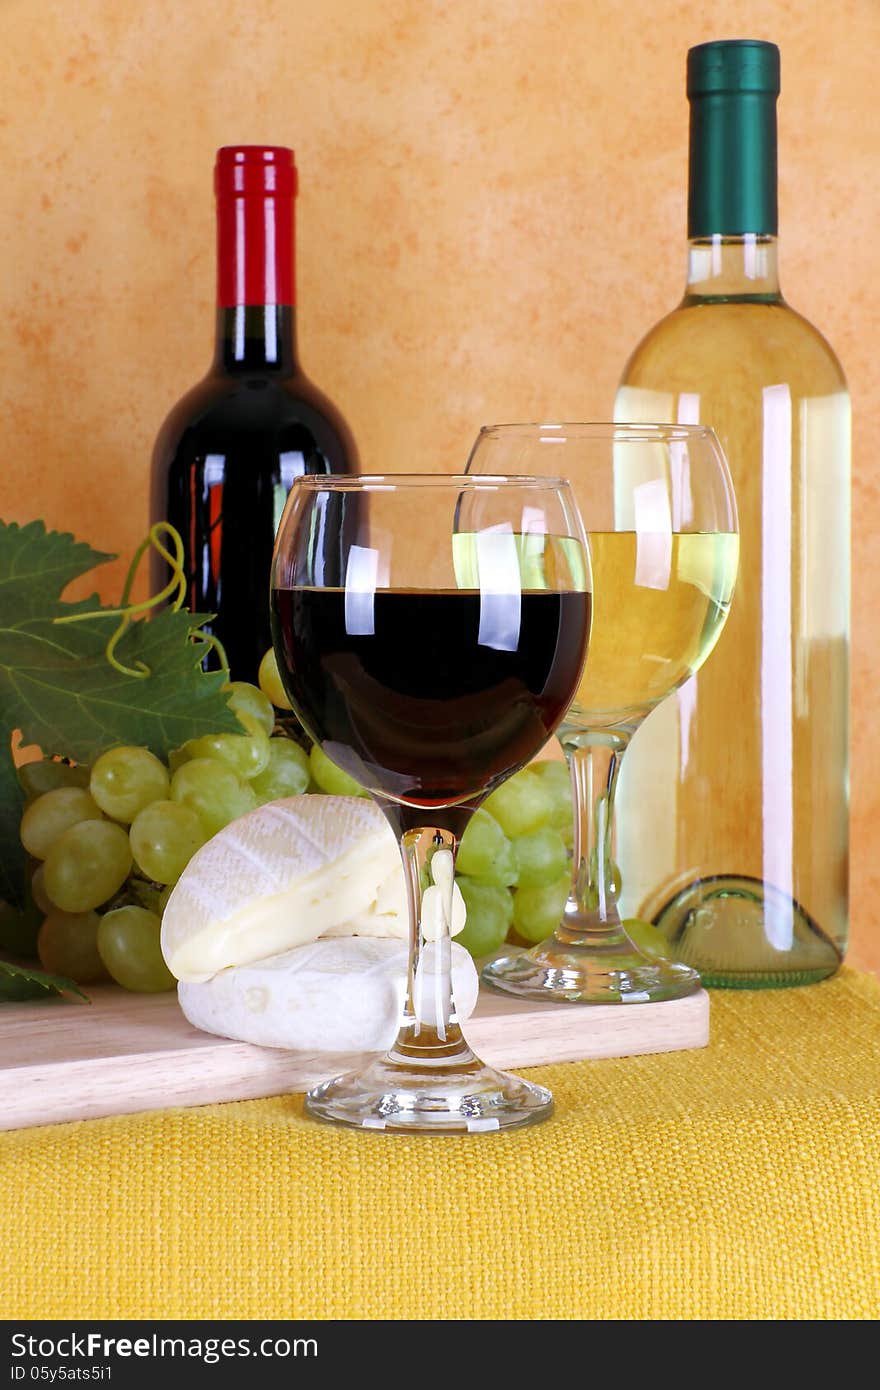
(46, 774)
(538, 911)
(247, 754)
(249, 699)
(47, 818)
(18, 930)
(125, 780)
(647, 938)
(287, 773)
(489, 914)
(614, 880)
(128, 942)
(329, 777)
(481, 844)
(502, 873)
(67, 945)
(521, 804)
(164, 838)
(270, 681)
(555, 779)
(87, 865)
(38, 890)
(541, 857)
(213, 791)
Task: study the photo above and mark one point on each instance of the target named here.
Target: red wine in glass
(419, 708)
(431, 632)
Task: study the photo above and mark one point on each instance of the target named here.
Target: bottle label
(254, 249)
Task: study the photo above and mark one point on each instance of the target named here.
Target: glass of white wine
(658, 505)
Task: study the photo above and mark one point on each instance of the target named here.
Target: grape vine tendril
(175, 590)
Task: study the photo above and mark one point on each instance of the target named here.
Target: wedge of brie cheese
(332, 996)
(280, 877)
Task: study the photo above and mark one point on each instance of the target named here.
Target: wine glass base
(401, 1098)
(590, 975)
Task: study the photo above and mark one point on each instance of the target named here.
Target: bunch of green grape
(108, 842)
(514, 864)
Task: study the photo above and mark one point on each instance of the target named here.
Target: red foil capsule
(255, 187)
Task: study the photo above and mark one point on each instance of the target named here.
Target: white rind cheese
(332, 996)
(281, 877)
(287, 874)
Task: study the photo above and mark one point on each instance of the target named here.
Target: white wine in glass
(659, 510)
(663, 600)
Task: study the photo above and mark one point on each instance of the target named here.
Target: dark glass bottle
(227, 454)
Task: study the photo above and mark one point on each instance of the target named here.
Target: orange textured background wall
(492, 212)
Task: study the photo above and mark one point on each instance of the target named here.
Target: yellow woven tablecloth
(738, 1182)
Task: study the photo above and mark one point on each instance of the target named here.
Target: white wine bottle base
(740, 933)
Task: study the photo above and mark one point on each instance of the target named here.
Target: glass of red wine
(431, 632)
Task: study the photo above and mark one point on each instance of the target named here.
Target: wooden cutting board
(124, 1052)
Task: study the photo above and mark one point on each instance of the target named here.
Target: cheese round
(280, 877)
(290, 872)
(337, 995)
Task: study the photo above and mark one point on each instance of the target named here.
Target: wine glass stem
(429, 1031)
(591, 913)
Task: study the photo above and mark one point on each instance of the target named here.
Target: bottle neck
(732, 165)
(724, 269)
(256, 328)
(256, 338)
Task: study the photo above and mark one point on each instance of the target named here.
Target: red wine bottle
(229, 451)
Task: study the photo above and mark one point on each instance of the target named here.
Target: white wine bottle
(733, 803)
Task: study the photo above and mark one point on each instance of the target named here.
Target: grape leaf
(21, 982)
(59, 689)
(34, 561)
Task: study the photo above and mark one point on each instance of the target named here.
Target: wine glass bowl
(659, 510)
(430, 633)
